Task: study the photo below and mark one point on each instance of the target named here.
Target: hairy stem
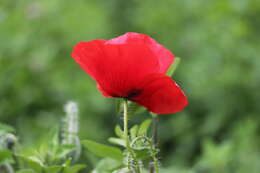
(155, 129)
(126, 125)
(129, 151)
(154, 166)
(126, 132)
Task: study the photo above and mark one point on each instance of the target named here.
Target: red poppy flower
(132, 66)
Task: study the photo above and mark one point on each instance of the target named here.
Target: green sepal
(173, 66)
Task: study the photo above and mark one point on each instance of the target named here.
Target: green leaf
(67, 163)
(53, 169)
(103, 150)
(54, 136)
(142, 154)
(108, 165)
(134, 131)
(119, 132)
(26, 171)
(174, 66)
(5, 156)
(32, 162)
(74, 168)
(63, 150)
(117, 141)
(144, 127)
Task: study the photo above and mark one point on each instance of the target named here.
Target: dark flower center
(133, 93)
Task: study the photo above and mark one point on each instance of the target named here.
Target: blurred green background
(218, 41)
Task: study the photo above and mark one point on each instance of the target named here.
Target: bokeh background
(218, 41)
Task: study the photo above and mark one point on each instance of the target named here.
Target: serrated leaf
(119, 132)
(103, 150)
(173, 66)
(5, 156)
(74, 169)
(134, 131)
(117, 141)
(144, 127)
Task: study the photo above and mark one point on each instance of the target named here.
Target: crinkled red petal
(164, 56)
(118, 69)
(161, 95)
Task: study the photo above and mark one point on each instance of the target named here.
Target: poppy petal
(164, 56)
(161, 95)
(116, 68)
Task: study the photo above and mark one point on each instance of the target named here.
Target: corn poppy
(132, 66)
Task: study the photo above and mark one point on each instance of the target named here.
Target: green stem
(126, 137)
(155, 165)
(126, 132)
(155, 129)
(126, 125)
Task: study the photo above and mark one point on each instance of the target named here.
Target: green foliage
(74, 169)
(117, 141)
(143, 128)
(134, 131)
(36, 165)
(32, 162)
(218, 41)
(5, 156)
(118, 131)
(51, 156)
(140, 150)
(40, 162)
(103, 150)
(4, 128)
(108, 165)
(142, 154)
(26, 171)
